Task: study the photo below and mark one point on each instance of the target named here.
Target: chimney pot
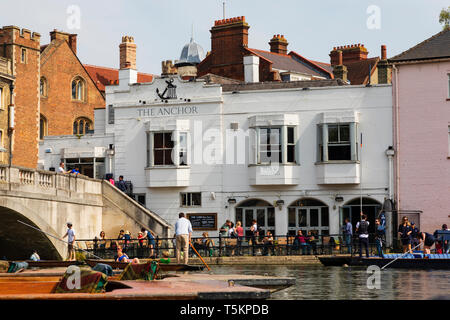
(383, 52)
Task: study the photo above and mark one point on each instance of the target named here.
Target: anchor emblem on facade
(170, 91)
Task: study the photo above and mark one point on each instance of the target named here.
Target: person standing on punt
(362, 228)
(405, 232)
(379, 236)
(348, 234)
(183, 233)
(70, 234)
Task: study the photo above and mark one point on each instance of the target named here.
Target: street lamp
(110, 152)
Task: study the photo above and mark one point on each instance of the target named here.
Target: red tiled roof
(103, 76)
(358, 71)
(286, 62)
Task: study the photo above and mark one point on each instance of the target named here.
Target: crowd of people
(410, 237)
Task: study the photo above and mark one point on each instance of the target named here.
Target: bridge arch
(17, 241)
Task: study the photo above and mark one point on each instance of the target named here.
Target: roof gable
(287, 62)
(438, 46)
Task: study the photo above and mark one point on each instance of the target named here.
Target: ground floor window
(91, 167)
(308, 215)
(259, 210)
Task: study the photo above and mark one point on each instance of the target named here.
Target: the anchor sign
(170, 91)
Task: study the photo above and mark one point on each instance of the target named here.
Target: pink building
(421, 93)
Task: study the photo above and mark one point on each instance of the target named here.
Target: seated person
(268, 242)
(166, 257)
(122, 257)
(208, 244)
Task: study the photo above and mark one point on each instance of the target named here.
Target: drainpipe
(390, 152)
(396, 130)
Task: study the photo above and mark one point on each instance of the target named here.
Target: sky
(161, 28)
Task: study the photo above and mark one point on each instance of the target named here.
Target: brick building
(229, 46)
(6, 83)
(67, 92)
(350, 63)
(54, 93)
(20, 51)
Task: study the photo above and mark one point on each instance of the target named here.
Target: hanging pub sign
(203, 221)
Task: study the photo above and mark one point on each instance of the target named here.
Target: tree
(444, 18)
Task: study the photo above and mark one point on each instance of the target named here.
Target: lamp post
(110, 152)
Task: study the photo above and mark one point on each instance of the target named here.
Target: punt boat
(404, 261)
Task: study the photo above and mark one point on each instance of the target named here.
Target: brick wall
(59, 67)
(26, 93)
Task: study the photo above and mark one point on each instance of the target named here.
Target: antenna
(224, 9)
(192, 32)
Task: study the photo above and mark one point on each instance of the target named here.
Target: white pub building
(287, 154)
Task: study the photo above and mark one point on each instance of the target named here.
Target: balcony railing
(226, 246)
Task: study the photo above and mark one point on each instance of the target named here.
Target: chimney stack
(251, 69)
(339, 70)
(71, 39)
(127, 71)
(384, 70)
(73, 42)
(278, 44)
(383, 52)
(127, 53)
(350, 53)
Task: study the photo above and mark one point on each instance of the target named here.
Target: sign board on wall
(203, 221)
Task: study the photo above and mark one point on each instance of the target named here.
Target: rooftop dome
(192, 54)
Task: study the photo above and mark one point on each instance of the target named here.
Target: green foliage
(444, 18)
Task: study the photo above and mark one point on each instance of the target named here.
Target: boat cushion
(104, 268)
(16, 266)
(81, 280)
(140, 271)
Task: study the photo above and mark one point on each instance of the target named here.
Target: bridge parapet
(19, 179)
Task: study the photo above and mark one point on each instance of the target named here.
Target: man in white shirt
(61, 168)
(183, 233)
(71, 240)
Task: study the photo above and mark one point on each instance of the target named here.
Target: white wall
(217, 111)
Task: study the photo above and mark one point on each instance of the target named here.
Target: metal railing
(227, 246)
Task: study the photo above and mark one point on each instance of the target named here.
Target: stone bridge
(48, 200)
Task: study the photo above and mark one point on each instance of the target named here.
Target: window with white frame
(183, 149)
(337, 141)
(190, 199)
(269, 145)
(161, 147)
(276, 145)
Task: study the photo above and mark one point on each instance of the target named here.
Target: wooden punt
(403, 263)
(42, 288)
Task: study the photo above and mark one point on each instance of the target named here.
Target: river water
(350, 283)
